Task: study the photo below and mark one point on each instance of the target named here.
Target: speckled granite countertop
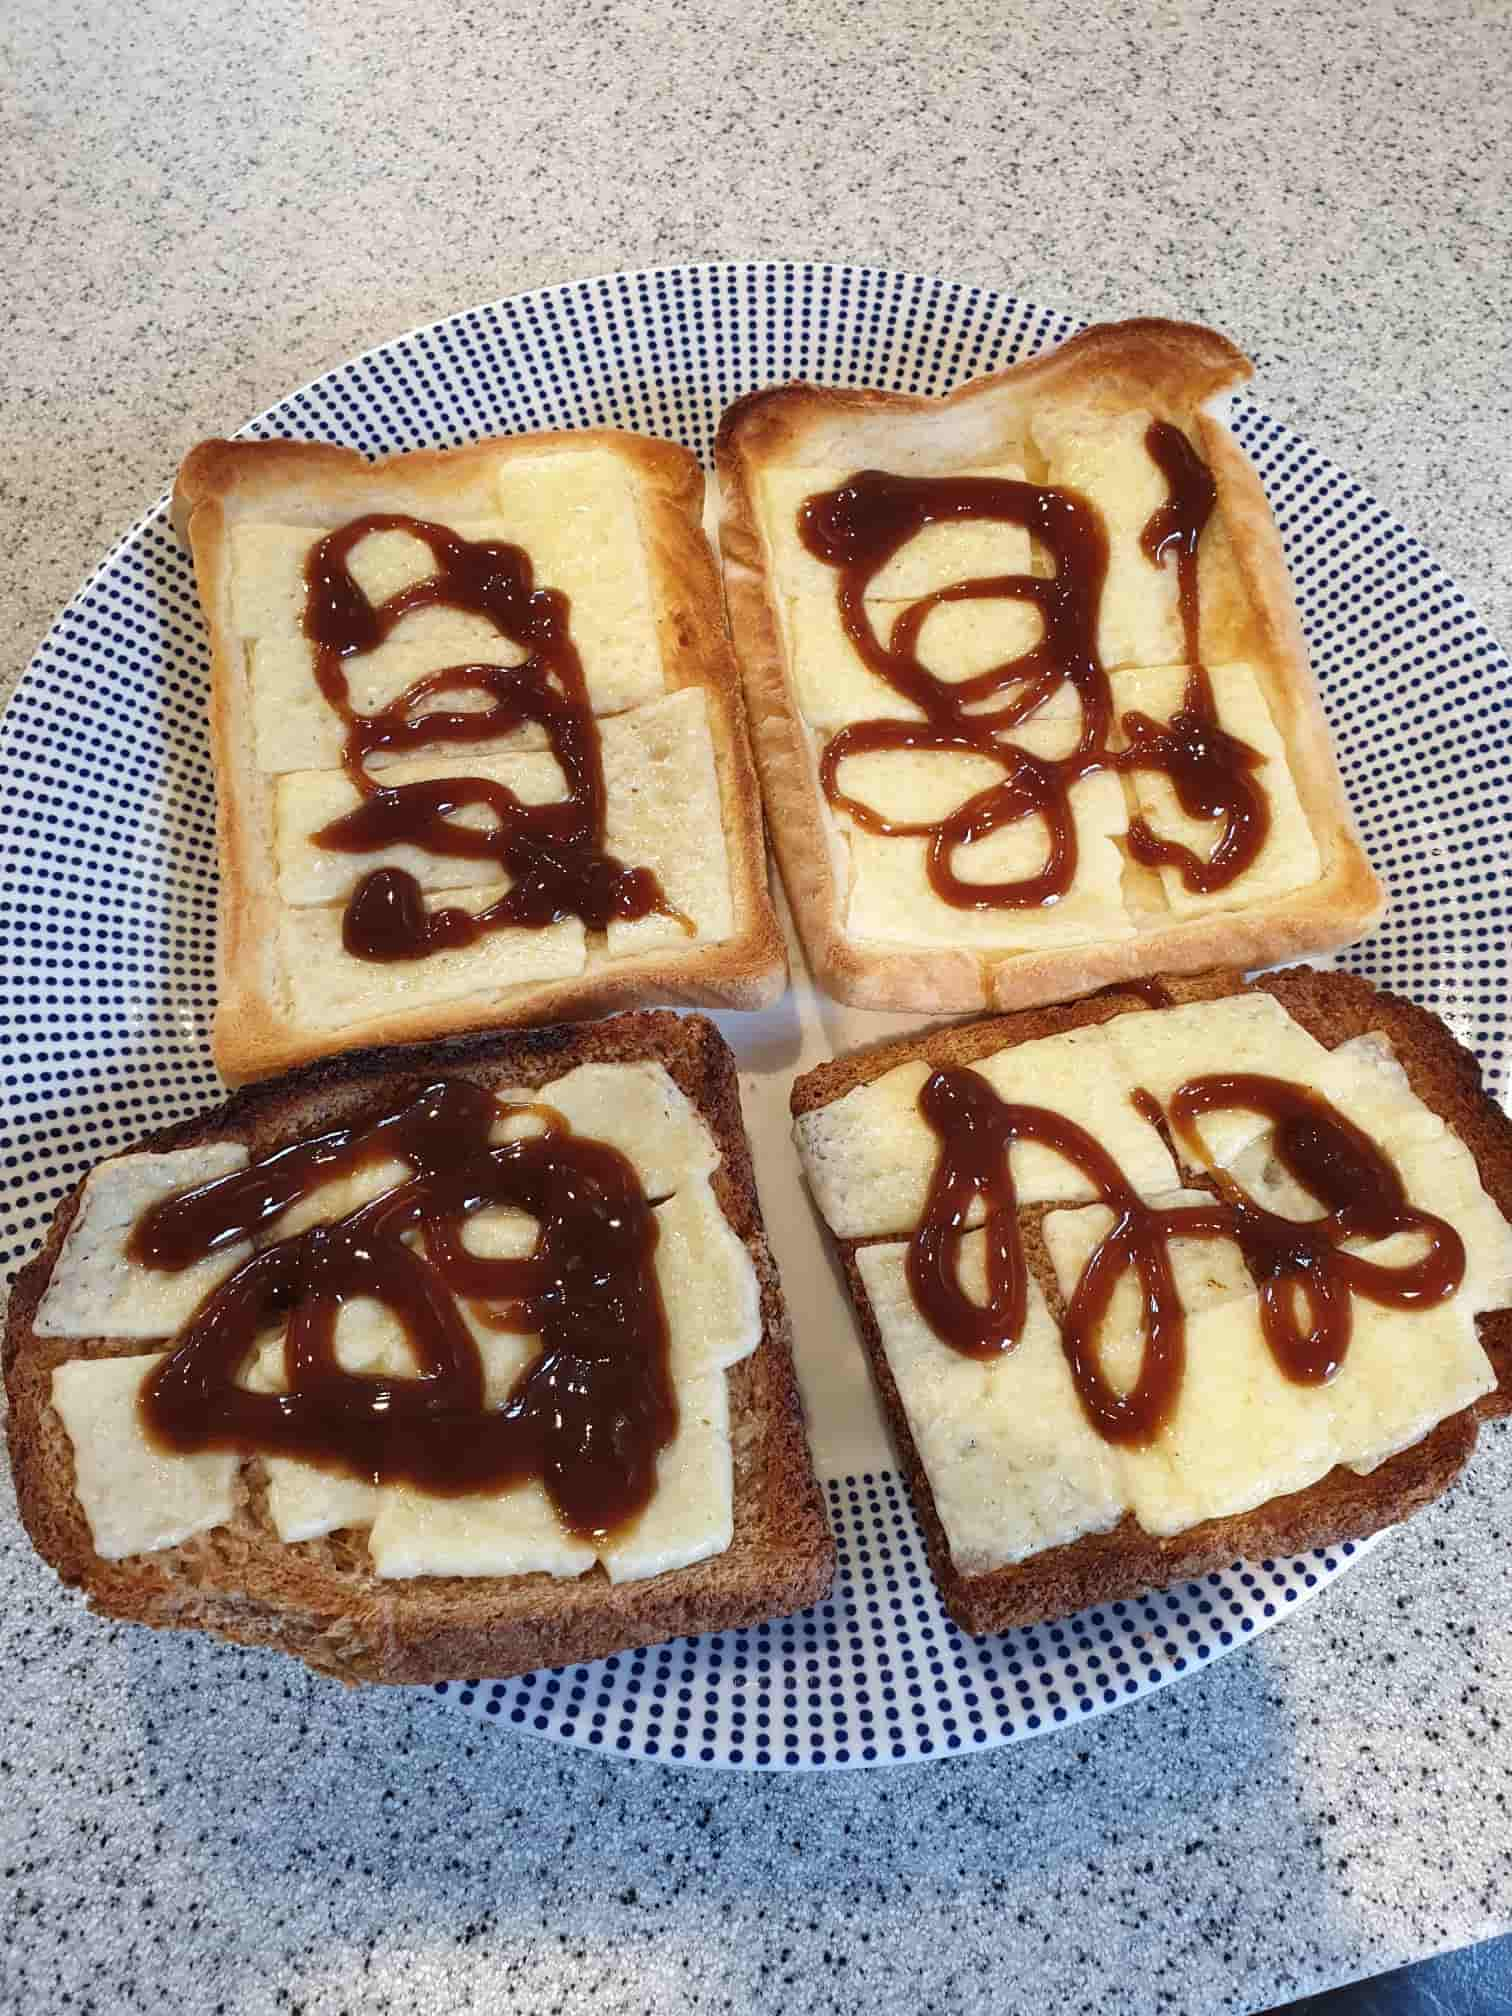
(216, 203)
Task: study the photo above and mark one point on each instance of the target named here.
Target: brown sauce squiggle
(588, 1415)
(552, 854)
(1305, 1278)
(858, 528)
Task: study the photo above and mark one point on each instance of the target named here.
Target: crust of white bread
(1171, 368)
(255, 1032)
(320, 1599)
(1105, 1567)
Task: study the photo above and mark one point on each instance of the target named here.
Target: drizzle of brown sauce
(553, 854)
(588, 1415)
(859, 527)
(1305, 1278)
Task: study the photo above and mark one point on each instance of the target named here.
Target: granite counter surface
(208, 206)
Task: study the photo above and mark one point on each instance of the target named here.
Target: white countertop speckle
(210, 205)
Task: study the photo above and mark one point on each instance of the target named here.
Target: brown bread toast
(320, 1599)
(1101, 1567)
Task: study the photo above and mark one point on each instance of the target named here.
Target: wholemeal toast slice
(1122, 1557)
(518, 612)
(1028, 691)
(321, 1598)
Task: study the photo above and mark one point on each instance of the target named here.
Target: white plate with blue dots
(107, 924)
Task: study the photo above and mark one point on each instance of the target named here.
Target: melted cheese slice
(517, 1532)
(577, 515)
(337, 1198)
(1054, 730)
(691, 1515)
(638, 1109)
(267, 589)
(663, 812)
(968, 549)
(370, 1341)
(574, 513)
(296, 728)
(908, 785)
(1161, 1048)
(329, 988)
(708, 1285)
(308, 800)
(499, 1232)
(1405, 1369)
(1289, 858)
(959, 640)
(892, 900)
(1442, 1175)
(660, 784)
(1013, 1465)
(268, 584)
(1365, 1080)
(136, 1497)
(1104, 456)
(1241, 1432)
(712, 1305)
(305, 1501)
(1213, 1272)
(95, 1290)
(869, 1156)
(514, 1532)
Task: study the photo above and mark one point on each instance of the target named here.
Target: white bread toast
(875, 933)
(320, 1597)
(611, 521)
(1115, 1554)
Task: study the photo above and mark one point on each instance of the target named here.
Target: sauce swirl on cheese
(859, 527)
(588, 1415)
(553, 855)
(1305, 1274)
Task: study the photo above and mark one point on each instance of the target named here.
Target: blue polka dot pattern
(107, 882)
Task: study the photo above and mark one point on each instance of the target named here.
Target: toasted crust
(255, 1034)
(1172, 368)
(319, 1599)
(1103, 1567)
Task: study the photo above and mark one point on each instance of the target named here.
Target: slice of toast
(611, 522)
(876, 926)
(320, 1598)
(1125, 1559)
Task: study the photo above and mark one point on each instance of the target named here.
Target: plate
(107, 891)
